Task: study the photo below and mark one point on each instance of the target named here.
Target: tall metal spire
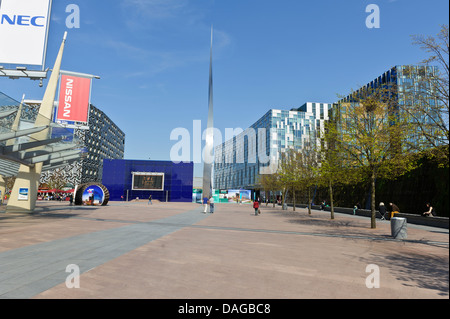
(209, 147)
(210, 91)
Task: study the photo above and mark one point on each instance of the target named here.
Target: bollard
(399, 228)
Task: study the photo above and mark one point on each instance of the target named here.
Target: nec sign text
(23, 20)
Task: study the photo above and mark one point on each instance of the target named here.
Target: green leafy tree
(298, 170)
(309, 163)
(286, 173)
(332, 169)
(370, 135)
(271, 184)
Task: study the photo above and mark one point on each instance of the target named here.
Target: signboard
(216, 195)
(239, 196)
(23, 194)
(197, 195)
(74, 97)
(93, 195)
(23, 31)
(223, 196)
(148, 181)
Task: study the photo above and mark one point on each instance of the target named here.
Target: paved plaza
(175, 251)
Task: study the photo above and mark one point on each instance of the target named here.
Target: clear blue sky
(153, 57)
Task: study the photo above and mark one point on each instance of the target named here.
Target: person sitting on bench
(394, 209)
(430, 211)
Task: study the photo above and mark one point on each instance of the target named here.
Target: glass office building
(241, 160)
(411, 88)
(405, 81)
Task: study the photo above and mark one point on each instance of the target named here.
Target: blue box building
(164, 180)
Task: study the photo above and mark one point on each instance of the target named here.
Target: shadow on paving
(315, 220)
(346, 228)
(414, 270)
(46, 214)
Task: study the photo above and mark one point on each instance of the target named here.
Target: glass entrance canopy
(24, 142)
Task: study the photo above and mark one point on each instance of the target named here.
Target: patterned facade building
(103, 140)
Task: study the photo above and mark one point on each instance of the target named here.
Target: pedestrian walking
(256, 207)
(382, 209)
(205, 203)
(430, 211)
(211, 204)
(150, 200)
(394, 209)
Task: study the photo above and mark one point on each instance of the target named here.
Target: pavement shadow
(62, 212)
(323, 223)
(344, 227)
(315, 220)
(415, 270)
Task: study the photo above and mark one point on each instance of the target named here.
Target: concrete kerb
(386, 237)
(436, 221)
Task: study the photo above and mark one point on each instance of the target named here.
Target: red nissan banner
(74, 98)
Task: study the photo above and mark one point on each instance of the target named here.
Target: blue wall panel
(178, 179)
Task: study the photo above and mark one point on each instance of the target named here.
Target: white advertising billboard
(23, 31)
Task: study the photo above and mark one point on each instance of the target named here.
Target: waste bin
(399, 228)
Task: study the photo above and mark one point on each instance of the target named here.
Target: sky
(153, 58)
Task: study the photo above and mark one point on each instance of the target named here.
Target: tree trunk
(309, 200)
(273, 198)
(372, 205)
(293, 198)
(331, 199)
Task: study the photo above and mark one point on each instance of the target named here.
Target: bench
(433, 221)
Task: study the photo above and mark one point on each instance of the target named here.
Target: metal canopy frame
(18, 147)
(23, 72)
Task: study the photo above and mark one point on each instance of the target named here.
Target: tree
(332, 168)
(287, 174)
(57, 179)
(428, 102)
(298, 169)
(308, 166)
(369, 133)
(270, 183)
(10, 183)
